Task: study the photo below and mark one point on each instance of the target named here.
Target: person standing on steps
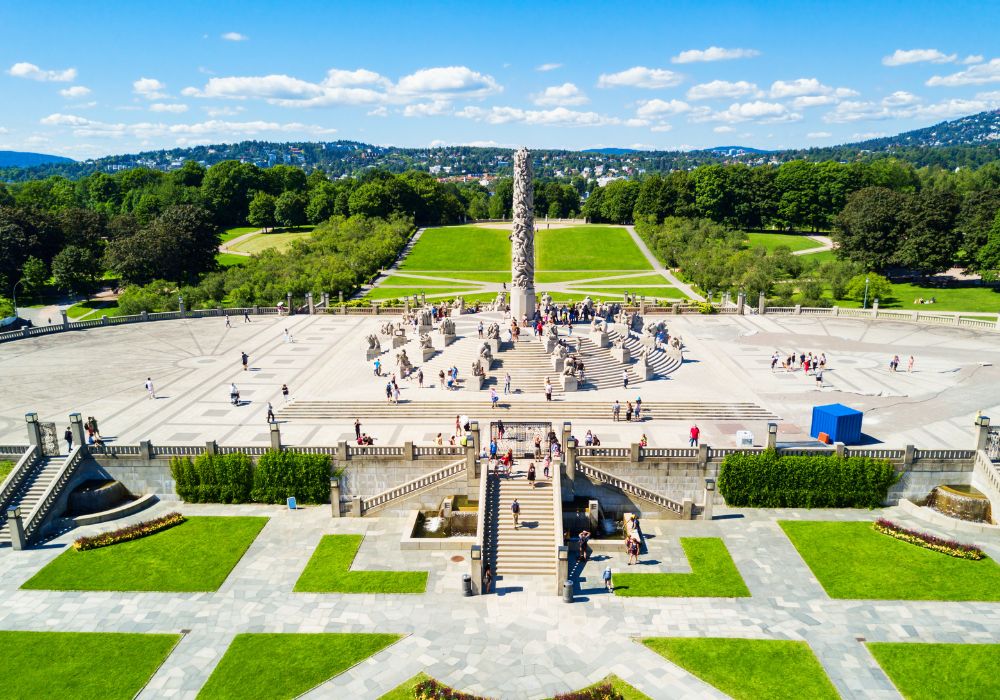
(515, 508)
(245, 359)
(506, 383)
(616, 410)
(628, 411)
(357, 428)
(494, 398)
(68, 437)
(531, 474)
(149, 388)
(625, 379)
(487, 578)
(420, 378)
(548, 389)
(638, 408)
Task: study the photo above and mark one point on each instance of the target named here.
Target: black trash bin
(466, 585)
(567, 591)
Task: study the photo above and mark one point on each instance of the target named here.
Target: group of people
(894, 364)
(807, 362)
(631, 412)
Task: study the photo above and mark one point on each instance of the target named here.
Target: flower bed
(430, 689)
(131, 532)
(604, 691)
(928, 541)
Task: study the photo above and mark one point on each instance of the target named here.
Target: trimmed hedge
(234, 478)
(767, 480)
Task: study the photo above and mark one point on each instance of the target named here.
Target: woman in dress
(531, 474)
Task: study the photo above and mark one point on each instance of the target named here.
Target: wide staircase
(529, 549)
(30, 492)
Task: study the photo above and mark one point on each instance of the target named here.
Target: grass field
(6, 466)
(460, 248)
(941, 671)
(820, 257)
(80, 665)
(616, 279)
(328, 571)
(713, 575)
(588, 248)
(380, 293)
(750, 669)
(853, 561)
(494, 277)
(196, 555)
(624, 689)
(403, 281)
(771, 241)
(269, 666)
(946, 299)
(280, 240)
(235, 232)
(230, 259)
(98, 307)
(664, 292)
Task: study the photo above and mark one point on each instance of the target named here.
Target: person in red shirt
(695, 434)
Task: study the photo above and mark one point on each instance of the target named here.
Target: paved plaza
(101, 372)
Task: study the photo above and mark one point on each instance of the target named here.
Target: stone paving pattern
(522, 642)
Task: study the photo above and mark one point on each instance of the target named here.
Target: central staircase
(529, 549)
(31, 491)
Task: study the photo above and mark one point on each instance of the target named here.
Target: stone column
(76, 426)
(309, 300)
(146, 450)
(982, 432)
(34, 430)
(567, 431)
(522, 290)
(772, 436)
(562, 572)
(288, 300)
(909, 453)
(706, 511)
(408, 450)
(275, 437)
(181, 308)
(65, 320)
(762, 304)
(476, 569)
(703, 456)
(342, 452)
(335, 498)
(211, 447)
(15, 524)
(569, 464)
(741, 302)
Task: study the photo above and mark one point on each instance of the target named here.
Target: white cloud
(818, 135)
(30, 71)
(427, 109)
(559, 116)
(974, 58)
(722, 88)
(723, 129)
(234, 36)
(947, 109)
(807, 86)
(976, 75)
(75, 92)
(902, 57)
(900, 98)
(4, 130)
(993, 96)
(852, 111)
(380, 111)
(336, 77)
(458, 81)
(806, 101)
(227, 111)
(183, 133)
(174, 108)
(765, 112)
(713, 53)
(868, 111)
(662, 108)
(565, 95)
(150, 88)
(661, 128)
(640, 77)
(545, 67)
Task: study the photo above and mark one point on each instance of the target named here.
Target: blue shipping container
(841, 423)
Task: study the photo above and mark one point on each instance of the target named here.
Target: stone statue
(425, 340)
(405, 366)
(390, 329)
(619, 341)
(569, 369)
(560, 351)
(447, 327)
(500, 303)
(493, 331)
(522, 237)
(546, 300)
(373, 343)
(486, 353)
(551, 331)
(424, 317)
(477, 369)
(459, 303)
(644, 356)
(655, 327)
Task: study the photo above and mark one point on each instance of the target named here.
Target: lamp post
(13, 294)
(864, 304)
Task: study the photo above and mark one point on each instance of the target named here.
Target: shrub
(430, 689)
(279, 475)
(928, 541)
(705, 307)
(767, 480)
(213, 478)
(604, 691)
(128, 533)
(185, 478)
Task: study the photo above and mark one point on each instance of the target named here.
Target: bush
(213, 478)
(130, 532)
(705, 307)
(767, 480)
(279, 475)
(928, 541)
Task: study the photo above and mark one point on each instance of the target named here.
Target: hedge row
(234, 478)
(767, 480)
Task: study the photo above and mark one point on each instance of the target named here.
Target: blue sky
(91, 79)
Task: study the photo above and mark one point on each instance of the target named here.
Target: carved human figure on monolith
(522, 238)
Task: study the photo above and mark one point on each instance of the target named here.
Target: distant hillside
(735, 150)
(20, 159)
(982, 128)
(609, 151)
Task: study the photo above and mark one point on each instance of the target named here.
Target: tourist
(284, 392)
(234, 394)
(616, 410)
(388, 392)
(245, 358)
(643, 442)
(458, 425)
(68, 437)
(819, 379)
(270, 413)
(246, 316)
(628, 411)
(149, 388)
(420, 378)
(625, 379)
(694, 434)
(288, 337)
(531, 474)
(515, 509)
(487, 578)
(494, 398)
(638, 408)
(538, 446)
(441, 382)
(493, 448)
(228, 324)
(357, 427)
(395, 392)
(546, 466)
(774, 360)
(597, 441)
(588, 439)
(584, 538)
(506, 383)
(439, 440)
(378, 367)
(607, 579)
(909, 365)
(480, 329)
(632, 547)
(500, 429)
(548, 389)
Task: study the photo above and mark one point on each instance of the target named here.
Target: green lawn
(471, 277)
(663, 292)
(819, 258)
(5, 468)
(853, 561)
(941, 671)
(616, 279)
(946, 299)
(588, 248)
(460, 248)
(750, 669)
(98, 307)
(269, 666)
(379, 293)
(328, 571)
(627, 691)
(279, 241)
(196, 555)
(403, 281)
(713, 575)
(792, 241)
(235, 232)
(80, 665)
(230, 259)
(578, 277)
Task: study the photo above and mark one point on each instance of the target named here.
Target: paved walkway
(227, 247)
(523, 642)
(826, 243)
(658, 266)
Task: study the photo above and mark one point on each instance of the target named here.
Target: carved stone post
(76, 427)
(772, 436)
(982, 432)
(522, 291)
(476, 569)
(706, 511)
(275, 437)
(335, 498)
(65, 320)
(35, 430)
(762, 304)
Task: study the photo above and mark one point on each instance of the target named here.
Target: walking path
(826, 243)
(227, 246)
(658, 266)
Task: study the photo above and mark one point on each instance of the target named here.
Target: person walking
(245, 359)
(487, 578)
(515, 509)
(633, 551)
(694, 434)
(538, 446)
(607, 579)
(531, 474)
(909, 365)
(819, 379)
(270, 413)
(246, 316)
(501, 429)
(494, 398)
(284, 392)
(357, 428)
(480, 329)
(228, 324)
(288, 337)
(388, 392)
(548, 389)
(506, 383)
(584, 539)
(616, 410)
(377, 367)
(625, 379)
(234, 394)
(149, 388)
(68, 437)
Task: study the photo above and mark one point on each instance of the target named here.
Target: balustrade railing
(412, 486)
(628, 487)
(15, 480)
(50, 495)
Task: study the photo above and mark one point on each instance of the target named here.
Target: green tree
(619, 201)
(932, 242)
(227, 189)
(75, 269)
(290, 208)
(178, 246)
(988, 256)
(975, 219)
(34, 275)
(878, 288)
(261, 212)
(872, 226)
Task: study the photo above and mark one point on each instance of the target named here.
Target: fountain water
(960, 501)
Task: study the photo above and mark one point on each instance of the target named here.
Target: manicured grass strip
(941, 671)
(265, 241)
(460, 248)
(602, 279)
(6, 466)
(276, 666)
(380, 293)
(624, 689)
(230, 259)
(665, 292)
(99, 307)
(770, 241)
(853, 561)
(235, 232)
(196, 555)
(328, 571)
(588, 248)
(80, 665)
(404, 281)
(713, 575)
(404, 691)
(750, 669)
(471, 277)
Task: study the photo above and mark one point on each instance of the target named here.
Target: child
(607, 580)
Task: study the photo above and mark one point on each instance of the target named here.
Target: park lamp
(13, 513)
(710, 484)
